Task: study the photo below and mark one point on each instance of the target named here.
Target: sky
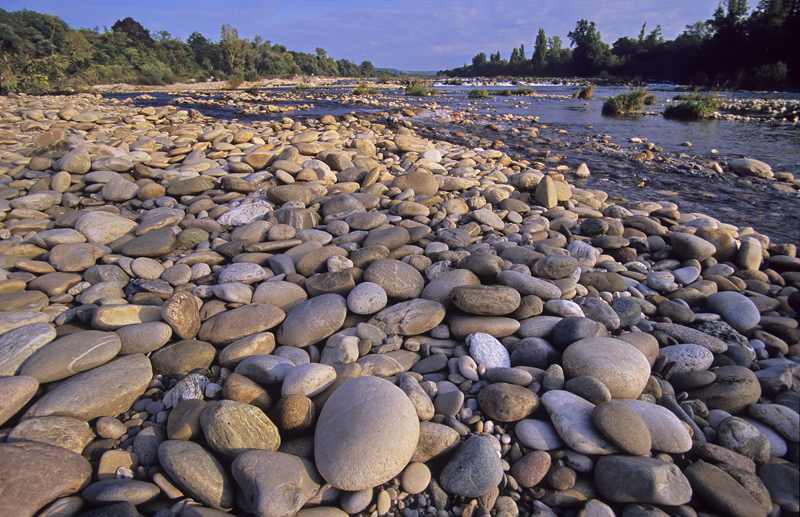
(411, 35)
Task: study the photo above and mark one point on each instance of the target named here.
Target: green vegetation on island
(738, 47)
(626, 103)
(693, 107)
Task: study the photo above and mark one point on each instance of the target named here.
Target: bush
(650, 99)
(625, 103)
(234, 82)
(585, 93)
(478, 94)
(363, 89)
(699, 108)
(253, 90)
(522, 91)
(419, 91)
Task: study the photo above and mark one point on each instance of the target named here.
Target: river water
(577, 130)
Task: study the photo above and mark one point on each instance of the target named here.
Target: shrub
(253, 90)
(585, 93)
(478, 94)
(363, 89)
(625, 103)
(234, 82)
(522, 91)
(650, 99)
(419, 91)
(699, 108)
(502, 93)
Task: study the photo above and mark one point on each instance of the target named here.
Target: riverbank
(357, 314)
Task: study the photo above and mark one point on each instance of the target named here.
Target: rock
(180, 358)
(228, 326)
(103, 227)
(275, 484)
(531, 468)
(180, 311)
(68, 433)
(721, 491)
(488, 351)
(689, 335)
(623, 427)
(367, 298)
(781, 418)
(71, 354)
(538, 434)
(615, 363)
(667, 432)
(735, 388)
(398, 279)
(151, 244)
(107, 390)
(435, 440)
(507, 402)
(313, 320)
(488, 300)
(625, 479)
(572, 418)
(366, 434)
(409, 318)
(736, 309)
(687, 357)
(17, 345)
(308, 379)
(131, 491)
(35, 474)
(782, 482)
(197, 472)
(751, 167)
(17, 391)
(742, 437)
(146, 443)
(474, 469)
(689, 246)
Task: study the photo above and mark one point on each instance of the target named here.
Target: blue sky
(403, 34)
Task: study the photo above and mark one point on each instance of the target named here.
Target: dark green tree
(591, 54)
(540, 52)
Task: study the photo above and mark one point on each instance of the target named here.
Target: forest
(40, 53)
(738, 47)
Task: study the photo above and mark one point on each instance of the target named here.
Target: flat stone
(366, 434)
(538, 434)
(623, 427)
(308, 379)
(195, 470)
(107, 390)
(505, 402)
(736, 309)
(626, 479)
(435, 441)
(687, 357)
(529, 285)
(143, 338)
(34, 474)
(120, 490)
(102, 227)
(689, 246)
(178, 359)
(71, 354)
(152, 244)
(68, 433)
(782, 482)
(487, 300)
(17, 345)
(721, 491)
(689, 335)
(409, 318)
(743, 437)
(735, 388)
(17, 391)
(667, 432)
(228, 326)
(781, 418)
(398, 279)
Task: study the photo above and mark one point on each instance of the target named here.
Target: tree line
(736, 48)
(40, 53)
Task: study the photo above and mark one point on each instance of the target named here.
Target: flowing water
(577, 130)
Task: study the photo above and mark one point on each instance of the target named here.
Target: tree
(367, 69)
(231, 48)
(522, 52)
(479, 59)
(133, 30)
(591, 54)
(514, 55)
(540, 52)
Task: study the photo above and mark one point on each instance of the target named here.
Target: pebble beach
(337, 316)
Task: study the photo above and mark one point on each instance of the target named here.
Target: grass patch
(252, 90)
(625, 103)
(689, 97)
(363, 89)
(478, 94)
(522, 91)
(419, 91)
(650, 99)
(699, 107)
(585, 93)
(303, 86)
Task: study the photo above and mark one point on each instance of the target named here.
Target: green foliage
(363, 89)
(625, 103)
(522, 91)
(419, 91)
(478, 94)
(698, 108)
(234, 81)
(585, 93)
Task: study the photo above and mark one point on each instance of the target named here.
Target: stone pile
(335, 316)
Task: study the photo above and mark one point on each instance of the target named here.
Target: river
(577, 130)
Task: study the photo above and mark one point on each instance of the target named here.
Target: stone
(34, 474)
(531, 469)
(687, 357)
(409, 318)
(366, 434)
(735, 388)
(275, 484)
(17, 345)
(629, 479)
(751, 167)
(102, 227)
(415, 478)
(505, 402)
(107, 390)
(623, 427)
(71, 354)
(572, 418)
(782, 482)
(719, 490)
(308, 379)
(615, 363)
(146, 443)
(313, 320)
(526, 284)
(227, 327)
(488, 300)
(180, 312)
(689, 246)
(400, 280)
(667, 432)
(197, 472)
(17, 391)
(689, 335)
(67, 433)
(131, 491)
(143, 338)
(488, 351)
(474, 470)
(588, 388)
(231, 428)
(740, 436)
(152, 244)
(736, 309)
(781, 418)
(367, 298)
(178, 359)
